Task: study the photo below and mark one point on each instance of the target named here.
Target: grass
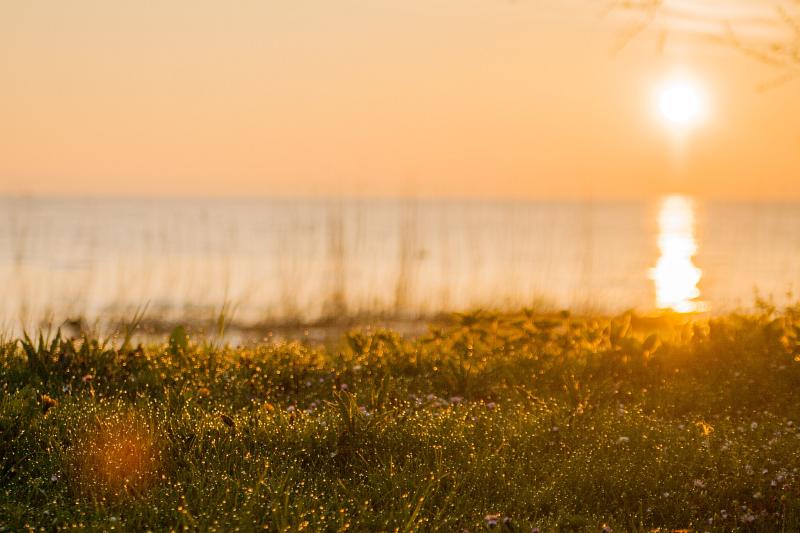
(559, 422)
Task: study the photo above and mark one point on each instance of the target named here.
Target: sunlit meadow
(509, 421)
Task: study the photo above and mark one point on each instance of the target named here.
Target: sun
(680, 103)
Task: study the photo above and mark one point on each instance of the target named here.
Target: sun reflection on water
(675, 275)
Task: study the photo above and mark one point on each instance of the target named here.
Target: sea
(268, 261)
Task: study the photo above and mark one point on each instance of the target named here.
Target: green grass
(559, 422)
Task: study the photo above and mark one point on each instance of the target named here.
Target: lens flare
(675, 275)
(115, 458)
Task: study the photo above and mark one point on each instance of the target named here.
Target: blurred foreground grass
(522, 420)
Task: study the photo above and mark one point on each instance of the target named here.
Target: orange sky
(376, 97)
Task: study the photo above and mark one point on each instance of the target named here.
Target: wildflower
(757, 496)
(54, 478)
(343, 386)
(623, 440)
(748, 518)
(456, 399)
(290, 409)
(48, 403)
(536, 530)
(491, 405)
(724, 514)
(356, 368)
(204, 392)
(606, 529)
(87, 378)
(754, 426)
(491, 520)
(699, 483)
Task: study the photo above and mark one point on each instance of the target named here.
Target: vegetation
(510, 421)
(772, 38)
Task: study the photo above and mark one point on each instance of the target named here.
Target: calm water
(289, 259)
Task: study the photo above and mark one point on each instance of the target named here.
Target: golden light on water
(675, 275)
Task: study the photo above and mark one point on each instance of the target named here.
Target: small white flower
(754, 426)
(623, 440)
(699, 483)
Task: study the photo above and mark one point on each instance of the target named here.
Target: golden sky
(476, 98)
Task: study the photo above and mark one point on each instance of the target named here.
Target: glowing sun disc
(680, 103)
